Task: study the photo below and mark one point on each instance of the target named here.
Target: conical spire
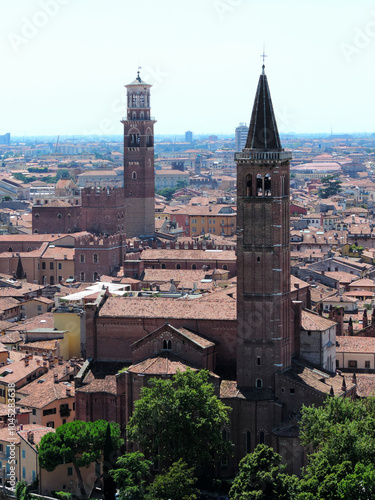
(263, 133)
(19, 272)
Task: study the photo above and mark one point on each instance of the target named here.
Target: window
(292, 390)
(10, 249)
(37, 216)
(258, 360)
(82, 258)
(59, 216)
(178, 266)
(267, 185)
(59, 265)
(248, 186)
(193, 266)
(50, 411)
(23, 473)
(352, 363)
(51, 424)
(95, 258)
(43, 265)
(167, 345)
(82, 277)
(23, 454)
(134, 175)
(162, 266)
(34, 411)
(259, 383)
(367, 364)
(259, 185)
(337, 363)
(33, 475)
(225, 267)
(51, 266)
(248, 442)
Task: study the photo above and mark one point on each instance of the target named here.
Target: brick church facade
(250, 342)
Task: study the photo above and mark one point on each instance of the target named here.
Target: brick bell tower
(139, 177)
(263, 253)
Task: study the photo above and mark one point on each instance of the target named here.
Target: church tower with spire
(139, 176)
(264, 336)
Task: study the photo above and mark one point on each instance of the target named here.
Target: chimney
(45, 364)
(68, 392)
(50, 362)
(30, 437)
(55, 378)
(60, 360)
(38, 362)
(26, 361)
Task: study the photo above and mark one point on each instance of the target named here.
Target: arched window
(37, 216)
(178, 266)
(52, 280)
(134, 115)
(267, 185)
(59, 216)
(134, 175)
(194, 266)
(259, 185)
(29, 249)
(10, 249)
(118, 216)
(95, 258)
(82, 277)
(35, 231)
(142, 115)
(225, 267)
(162, 266)
(82, 258)
(95, 276)
(259, 383)
(248, 185)
(248, 442)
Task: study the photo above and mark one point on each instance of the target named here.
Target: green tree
(181, 418)
(341, 438)
(22, 491)
(80, 443)
(131, 474)
(261, 476)
(109, 485)
(332, 186)
(167, 193)
(178, 482)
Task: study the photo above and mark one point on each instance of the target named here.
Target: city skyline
(65, 65)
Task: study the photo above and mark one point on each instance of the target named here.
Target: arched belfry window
(134, 175)
(259, 185)
(248, 185)
(167, 345)
(134, 115)
(267, 185)
(259, 383)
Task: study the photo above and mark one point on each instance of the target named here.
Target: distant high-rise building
(241, 136)
(139, 175)
(188, 136)
(5, 139)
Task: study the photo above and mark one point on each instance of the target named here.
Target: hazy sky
(65, 62)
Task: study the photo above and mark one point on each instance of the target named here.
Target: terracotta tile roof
(107, 384)
(204, 255)
(18, 370)
(169, 308)
(5, 435)
(21, 291)
(364, 282)
(44, 390)
(59, 253)
(164, 363)
(42, 321)
(316, 378)
(342, 277)
(38, 433)
(365, 384)
(229, 390)
(314, 322)
(8, 303)
(11, 338)
(355, 344)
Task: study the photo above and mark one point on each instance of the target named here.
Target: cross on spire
(264, 55)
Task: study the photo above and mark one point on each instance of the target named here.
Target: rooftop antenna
(264, 55)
